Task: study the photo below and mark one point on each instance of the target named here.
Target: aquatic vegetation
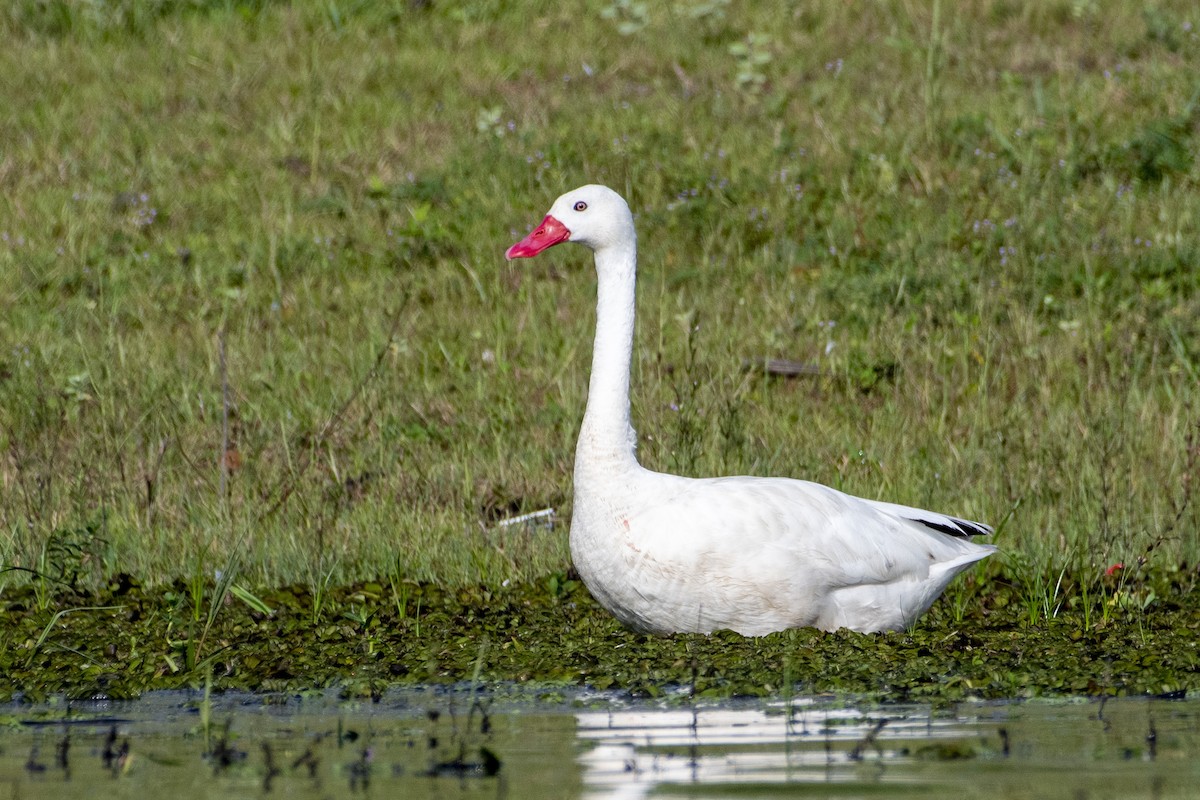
(127, 641)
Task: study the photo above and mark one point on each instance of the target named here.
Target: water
(438, 744)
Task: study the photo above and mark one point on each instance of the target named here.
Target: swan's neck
(607, 440)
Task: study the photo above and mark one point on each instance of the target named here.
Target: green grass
(982, 225)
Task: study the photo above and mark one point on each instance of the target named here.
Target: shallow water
(441, 744)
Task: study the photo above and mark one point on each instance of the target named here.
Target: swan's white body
(666, 553)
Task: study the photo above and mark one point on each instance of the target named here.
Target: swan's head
(594, 216)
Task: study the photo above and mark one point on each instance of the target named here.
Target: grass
(256, 312)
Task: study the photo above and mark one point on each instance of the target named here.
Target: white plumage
(666, 553)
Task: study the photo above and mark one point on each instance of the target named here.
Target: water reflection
(631, 752)
(518, 744)
(1083, 750)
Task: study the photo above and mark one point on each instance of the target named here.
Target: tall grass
(980, 226)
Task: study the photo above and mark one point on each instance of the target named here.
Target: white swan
(666, 553)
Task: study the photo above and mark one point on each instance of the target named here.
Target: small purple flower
(144, 217)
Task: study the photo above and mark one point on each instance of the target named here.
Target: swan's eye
(581, 206)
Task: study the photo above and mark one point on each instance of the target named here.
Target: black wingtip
(958, 528)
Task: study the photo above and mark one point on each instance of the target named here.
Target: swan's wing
(768, 526)
(762, 554)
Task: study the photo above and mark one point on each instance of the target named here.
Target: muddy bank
(125, 639)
